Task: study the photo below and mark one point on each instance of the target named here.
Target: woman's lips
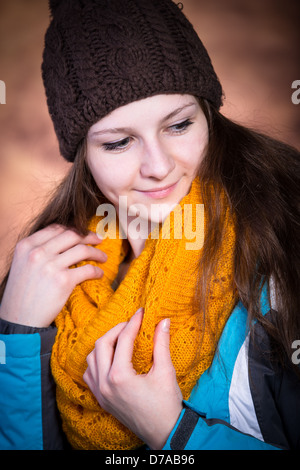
(160, 193)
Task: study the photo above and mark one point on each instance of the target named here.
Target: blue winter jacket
(242, 401)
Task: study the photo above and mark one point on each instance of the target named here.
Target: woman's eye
(118, 145)
(181, 126)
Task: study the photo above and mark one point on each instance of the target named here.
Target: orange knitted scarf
(162, 280)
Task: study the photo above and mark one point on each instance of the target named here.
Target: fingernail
(166, 325)
(140, 310)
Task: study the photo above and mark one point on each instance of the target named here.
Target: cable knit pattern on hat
(100, 55)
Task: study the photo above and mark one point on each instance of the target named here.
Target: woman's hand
(40, 280)
(148, 404)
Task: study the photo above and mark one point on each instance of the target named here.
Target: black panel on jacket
(275, 392)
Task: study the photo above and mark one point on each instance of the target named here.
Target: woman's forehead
(155, 108)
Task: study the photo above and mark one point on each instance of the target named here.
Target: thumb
(161, 348)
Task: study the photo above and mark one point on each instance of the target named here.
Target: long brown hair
(260, 177)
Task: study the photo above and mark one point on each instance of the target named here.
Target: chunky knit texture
(102, 54)
(163, 281)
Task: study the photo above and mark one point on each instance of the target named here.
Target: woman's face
(148, 151)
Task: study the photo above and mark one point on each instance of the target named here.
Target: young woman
(155, 336)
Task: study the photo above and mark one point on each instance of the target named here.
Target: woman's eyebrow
(128, 130)
(113, 130)
(177, 111)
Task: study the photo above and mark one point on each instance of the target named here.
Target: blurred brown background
(254, 46)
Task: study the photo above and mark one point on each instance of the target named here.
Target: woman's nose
(157, 161)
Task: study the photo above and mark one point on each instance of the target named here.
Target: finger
(124, 347)
(44, 235)
(80, 253)
(83, 273)
(91, 373)
(161, 349)
(105, 350)
(68, 239)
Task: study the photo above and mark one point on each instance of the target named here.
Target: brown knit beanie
(102, 54)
